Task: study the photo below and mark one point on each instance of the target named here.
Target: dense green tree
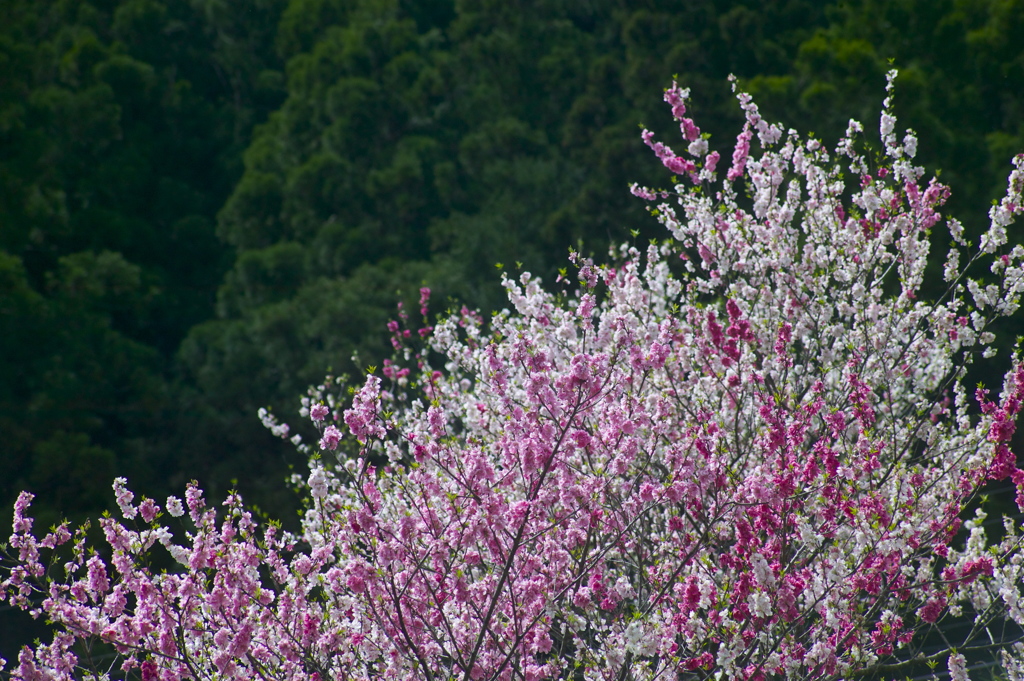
(121, 131)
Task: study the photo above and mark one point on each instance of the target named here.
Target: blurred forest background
(207, 204)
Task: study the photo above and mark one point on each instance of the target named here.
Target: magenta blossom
(330, 439)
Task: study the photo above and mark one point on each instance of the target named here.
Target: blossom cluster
(742, 453)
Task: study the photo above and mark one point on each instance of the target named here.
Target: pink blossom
(174, 507)
(740, 154)
(124, 498)
(643, 192)
(958, 667)
(330, 438)
(21, 522)
(148, 510)
(711, 161)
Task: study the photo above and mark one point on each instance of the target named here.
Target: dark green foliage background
(205, 204)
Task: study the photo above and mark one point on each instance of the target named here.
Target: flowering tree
(742, 454)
